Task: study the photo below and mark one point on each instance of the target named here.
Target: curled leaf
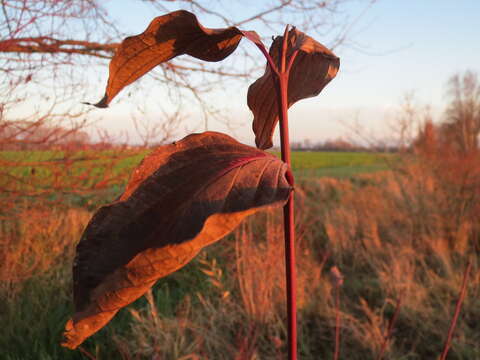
(181, 198)
(312, 69)
(166, 37)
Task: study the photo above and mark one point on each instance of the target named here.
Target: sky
(394, 47)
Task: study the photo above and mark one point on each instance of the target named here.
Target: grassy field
(305, 163)
(338, 164)
(406, 233)
(88, 178)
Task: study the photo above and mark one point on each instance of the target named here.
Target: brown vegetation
(403, 234)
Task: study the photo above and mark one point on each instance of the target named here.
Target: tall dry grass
(405, 234)
(35, 241)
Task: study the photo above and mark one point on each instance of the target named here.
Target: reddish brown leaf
(181, 198)
(312, 70)
(166, 37)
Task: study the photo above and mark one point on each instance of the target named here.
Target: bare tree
(42, 66)
(461, 126)
(411, 125)
(47, 47)
(53, 56)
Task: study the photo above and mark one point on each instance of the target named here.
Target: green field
(304, 163)
(337, 164)
(89, 178)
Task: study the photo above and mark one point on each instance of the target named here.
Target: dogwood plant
(189, 194)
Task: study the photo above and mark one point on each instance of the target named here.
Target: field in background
(304, 163)
(338, 164)
(92, 178)
(404, 233)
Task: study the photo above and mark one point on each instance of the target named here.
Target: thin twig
(86, 353)
(337, 280)
(453, 323)
(337, 322)
(389, 333)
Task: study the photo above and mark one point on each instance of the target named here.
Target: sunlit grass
(392, 234)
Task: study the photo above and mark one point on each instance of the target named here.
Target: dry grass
(159, 337)
(37, 240)
(406, 233)
(412, 231)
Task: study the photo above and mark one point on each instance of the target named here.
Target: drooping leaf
(166, 37)
(312, 70)
(181, 198)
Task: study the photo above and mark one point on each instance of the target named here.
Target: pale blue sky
(397, 46)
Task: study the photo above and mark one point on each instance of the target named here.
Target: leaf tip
(102, 104)
(67, 336)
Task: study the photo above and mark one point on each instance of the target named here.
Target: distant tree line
(338, 144)
(16, 136)
(341, 144)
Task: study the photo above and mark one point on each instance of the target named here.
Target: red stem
(461, 297)
(390, 327)
(337, 322)
(280, 74)
(86, 353)
(288, 210)
(268, 57)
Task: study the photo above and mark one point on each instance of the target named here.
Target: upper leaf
(181, 198)
(166, 37)
(312, 70)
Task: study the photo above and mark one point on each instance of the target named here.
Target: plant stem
(288, 210)
(280, 73)
(337, 322)
(458, 307)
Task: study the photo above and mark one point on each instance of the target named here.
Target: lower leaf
(181, 198)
